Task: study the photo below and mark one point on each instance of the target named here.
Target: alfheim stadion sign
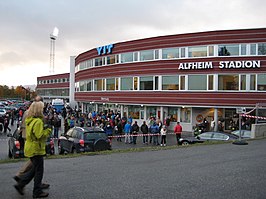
(221, 65)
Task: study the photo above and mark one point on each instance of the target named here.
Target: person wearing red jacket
(178, 131)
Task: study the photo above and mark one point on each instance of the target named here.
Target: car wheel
(100, 145)
(52, 152)
(185, 143)
(74, 150)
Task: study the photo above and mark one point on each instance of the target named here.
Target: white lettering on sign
(222, 65)
(195, 65)
(239, 64)
(104, 98)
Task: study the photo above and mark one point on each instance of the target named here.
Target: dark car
(84, 139)
(15, 144)
(208, 136)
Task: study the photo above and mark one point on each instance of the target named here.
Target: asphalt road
(207, 171)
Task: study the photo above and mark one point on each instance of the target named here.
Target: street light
(53, 37)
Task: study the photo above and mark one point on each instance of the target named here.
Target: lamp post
(53, 37)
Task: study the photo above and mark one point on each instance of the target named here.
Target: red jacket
(178, 129)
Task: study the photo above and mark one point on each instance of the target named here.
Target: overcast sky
(26, 26)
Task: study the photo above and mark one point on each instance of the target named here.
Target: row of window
(53, 92)
(177, 53)
(212, 82)
(137, 112)
(53, 81)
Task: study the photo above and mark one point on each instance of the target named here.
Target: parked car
(84, 139)
(3, 103)
(208, 136)
(2, 112)
(15, 144)
(244, 133)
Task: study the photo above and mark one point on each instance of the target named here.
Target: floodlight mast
(53, 37)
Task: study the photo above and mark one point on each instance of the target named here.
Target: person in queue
(178, 131)
(109, 131)
(119, 130)
(163, 132)
(154, 130)
(145, 130)
(36, 135)
(135, 130)
(127, 130)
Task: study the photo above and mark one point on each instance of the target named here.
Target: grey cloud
(10, 58)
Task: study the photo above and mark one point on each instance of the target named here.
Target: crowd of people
(153, 130)
(112, 122)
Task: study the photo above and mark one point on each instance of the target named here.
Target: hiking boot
(16, 178)
(19, 189)
(41, 195)
(45, 186)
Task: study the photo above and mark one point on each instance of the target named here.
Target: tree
(1, 92)
(18, 92)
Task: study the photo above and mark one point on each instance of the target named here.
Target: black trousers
(35, 172)
(135, 137)
(178, 136)
(145, 138)
(5, 128)
(163, 139)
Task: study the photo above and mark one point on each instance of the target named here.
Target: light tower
(53, 37)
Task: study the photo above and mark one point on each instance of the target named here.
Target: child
(163, 136)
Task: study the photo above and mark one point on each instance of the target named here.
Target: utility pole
(240, 141)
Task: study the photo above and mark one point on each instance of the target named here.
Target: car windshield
(220, 136)
(247, 133)
(244, 133)
(94, 135)
(206, 135)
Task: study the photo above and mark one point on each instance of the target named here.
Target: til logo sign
(105, 49)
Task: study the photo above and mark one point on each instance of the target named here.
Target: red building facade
(53, 86)
(186, 77)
